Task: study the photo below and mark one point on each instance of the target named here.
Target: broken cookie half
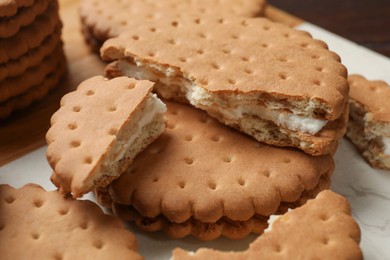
(99, 129)
(265, 79)
(369, 120)
(321, 229)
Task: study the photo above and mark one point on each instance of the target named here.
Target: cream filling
(153, 107)
(386, 145)
(284, 119)
(201, 98)
(271, 221)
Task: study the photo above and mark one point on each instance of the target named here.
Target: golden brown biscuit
(102, 20)
(36, 224)
(265, 79)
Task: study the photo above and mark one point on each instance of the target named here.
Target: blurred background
(366, 22)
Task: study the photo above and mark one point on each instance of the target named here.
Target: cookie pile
(31, 57)
(253, 114)
(263, 107)
(276, 85)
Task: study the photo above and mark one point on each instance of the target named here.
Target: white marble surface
(367, 190)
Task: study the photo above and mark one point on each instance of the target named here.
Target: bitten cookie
(99, 129)
(265, 79)
(321, 229)
(102, 20)
(206, 179)
(36, 224)
(369, 120)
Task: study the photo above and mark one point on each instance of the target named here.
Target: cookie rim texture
(35, 93)
(318, 233)
(231, 185)
(10, 7)
(31, 36)
(204, 230)
(217, 38)
(31, 58)
(76, 159)
(371, 94)
(15, 86)
(23, 17)
(33, 218)
(104, 21)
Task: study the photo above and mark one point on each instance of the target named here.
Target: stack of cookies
(254, 111)
(249, 118)
(31, 57)
(283, 90)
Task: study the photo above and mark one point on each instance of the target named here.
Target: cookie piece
(104, 20)
(369, 120)
(99, 129)
(35, 93)
(32, 58)
(31, 36)
(205, 230)
(265, 79)
(12, 87)
(37, 224)
(10, 7)
(23, 17)
(205, 171)
(323, 228)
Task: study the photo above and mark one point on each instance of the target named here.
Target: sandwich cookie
(369, 120)
(321, 229)
(37, 224)
(205, 179)
(272, 82)
(98, 131)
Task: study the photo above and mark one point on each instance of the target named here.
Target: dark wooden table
(366, 22)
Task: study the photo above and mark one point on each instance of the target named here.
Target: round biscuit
(207, 171)
(37, 224)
